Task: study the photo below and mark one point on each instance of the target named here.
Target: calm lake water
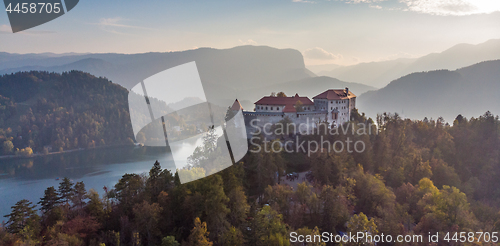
(28, 178)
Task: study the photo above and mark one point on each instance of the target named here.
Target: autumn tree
(269, 229)
(299, 106)
(442, 210)
(279, 197)
(281, 94)
(169, 241)
(199, 234)
(7, 147)
(310, 237)
(81, 226)
(263, 168)
(361, 223)
(336, 207)
(146, 219)
(233, 236)
(95, 206)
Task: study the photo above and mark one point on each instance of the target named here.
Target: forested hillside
(414, 178)
(44, 112)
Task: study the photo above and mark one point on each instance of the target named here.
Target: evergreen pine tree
(49, 200)
(66, 190)
(23, 214)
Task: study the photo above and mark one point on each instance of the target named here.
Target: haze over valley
(430, 86)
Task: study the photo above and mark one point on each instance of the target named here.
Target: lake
(28, 178)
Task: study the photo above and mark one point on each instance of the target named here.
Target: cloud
(362, 1)
(437, 7)
(372, 3)
(5, 29)
(117, 25)
(318, 53)
(452, 7)
(303, 1)
(247, 42)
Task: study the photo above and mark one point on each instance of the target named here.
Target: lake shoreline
(10, 157)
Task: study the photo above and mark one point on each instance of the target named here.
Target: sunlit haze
(339, 32)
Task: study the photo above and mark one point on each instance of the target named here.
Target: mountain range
(239, 68)
(470, 91)
(379, 74)
(226, 74)
(431, 86)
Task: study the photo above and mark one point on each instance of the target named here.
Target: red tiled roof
(335, 95)
(289, 108)
(236, 106)
(284, 100)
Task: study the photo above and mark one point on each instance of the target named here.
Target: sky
(342, 32)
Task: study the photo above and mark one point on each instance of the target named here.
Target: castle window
(271, 108)
(266, 108)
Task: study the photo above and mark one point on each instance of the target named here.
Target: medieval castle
(332, 106)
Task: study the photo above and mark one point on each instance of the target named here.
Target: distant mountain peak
(379, 74)
(470, 91)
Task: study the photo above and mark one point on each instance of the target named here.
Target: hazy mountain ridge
(247, 73)
(239, 67)
(185, 103)
(469, 91)
(94, 66)
(223, 72)
(378, 74)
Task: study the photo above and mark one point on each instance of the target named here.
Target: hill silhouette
(469, 91)
(379, 74)
(239, 68)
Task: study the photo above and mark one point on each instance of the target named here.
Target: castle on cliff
(333, 106)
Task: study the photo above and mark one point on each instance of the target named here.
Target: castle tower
(236, 106)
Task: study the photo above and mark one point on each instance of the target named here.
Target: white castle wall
(304, 122)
